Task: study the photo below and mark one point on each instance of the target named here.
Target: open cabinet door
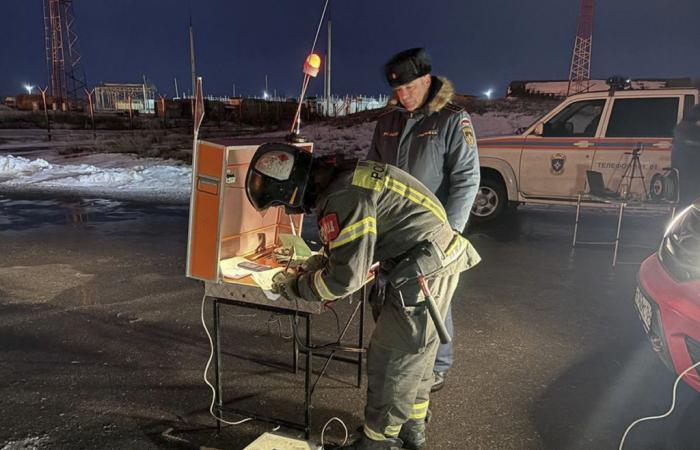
(205, 211)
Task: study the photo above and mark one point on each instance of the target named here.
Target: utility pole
(266, 93)
(234, 90)
(92, 112)
(328, 63)
(192, 66)
(145, 100)
(46, 111)
(580, 72)
(177, 92)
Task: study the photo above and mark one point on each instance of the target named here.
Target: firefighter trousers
(401, 356)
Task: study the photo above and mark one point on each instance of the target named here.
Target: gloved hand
(285, 284)
(314, 263)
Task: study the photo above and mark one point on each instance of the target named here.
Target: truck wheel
(491, 201)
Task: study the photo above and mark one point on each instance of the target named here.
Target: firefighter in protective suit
(372, 212)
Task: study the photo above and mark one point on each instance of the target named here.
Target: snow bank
(161, 181)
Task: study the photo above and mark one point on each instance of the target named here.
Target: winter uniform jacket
(374, 213)
(437, 145)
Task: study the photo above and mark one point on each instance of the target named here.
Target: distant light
(28, 88)
(266, 95)
(488, 93)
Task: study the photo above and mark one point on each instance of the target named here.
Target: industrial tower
(580, 72)
(66, 76)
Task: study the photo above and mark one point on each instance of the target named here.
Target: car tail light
(680, 248)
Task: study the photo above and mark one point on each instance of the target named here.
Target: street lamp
(28, 88)
(488, 93)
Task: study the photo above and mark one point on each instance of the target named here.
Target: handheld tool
(433, 311)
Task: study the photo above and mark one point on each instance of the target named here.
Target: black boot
(365, 443)
(413, 434)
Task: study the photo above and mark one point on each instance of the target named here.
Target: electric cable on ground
(206, 370)
(662, 416)
(323, 430)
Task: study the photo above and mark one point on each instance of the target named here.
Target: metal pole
(162, 107)
(131, 116)
(145, 100)
(365, 294)
(46, 111)
(92, 112)
(578, 213)
(307, 381)
(617, 235)
(177, 92)
(328, 66)
(192, 66)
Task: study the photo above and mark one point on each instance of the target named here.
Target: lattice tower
(66, 76)
(580, 72)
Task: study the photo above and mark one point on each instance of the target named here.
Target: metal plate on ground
(274, 441)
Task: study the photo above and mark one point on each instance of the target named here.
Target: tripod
(632, 171)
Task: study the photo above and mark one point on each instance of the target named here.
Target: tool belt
(427, 258)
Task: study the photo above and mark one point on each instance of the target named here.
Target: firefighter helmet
(278, 176)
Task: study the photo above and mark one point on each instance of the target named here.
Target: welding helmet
(278, 176)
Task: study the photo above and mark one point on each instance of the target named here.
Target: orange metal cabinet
(223, 223)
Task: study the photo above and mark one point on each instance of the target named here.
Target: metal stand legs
(309, 387)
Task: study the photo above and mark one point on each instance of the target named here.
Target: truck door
(554, 163)
(636, 125)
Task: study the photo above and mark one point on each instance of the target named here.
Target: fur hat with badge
(406, 66)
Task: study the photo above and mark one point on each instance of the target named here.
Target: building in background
(117, 97)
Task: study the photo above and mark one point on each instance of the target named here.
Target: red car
(668, 295)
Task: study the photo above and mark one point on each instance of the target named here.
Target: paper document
(301, 250)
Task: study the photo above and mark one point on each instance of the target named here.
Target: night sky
(477, 44)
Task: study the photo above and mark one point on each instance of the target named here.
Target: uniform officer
(428, 136)
(372, 212)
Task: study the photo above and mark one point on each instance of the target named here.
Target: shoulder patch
(369, 175)
(454, 108)
(328, 228)
(468, 132)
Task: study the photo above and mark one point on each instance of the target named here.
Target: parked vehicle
(668, 295)
(597, 131)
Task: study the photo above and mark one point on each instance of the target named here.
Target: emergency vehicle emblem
(328, 228)
(558, 161)
(468, 132)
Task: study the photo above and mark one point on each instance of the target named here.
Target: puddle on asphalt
(26, 213)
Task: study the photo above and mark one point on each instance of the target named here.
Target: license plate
(644, 308)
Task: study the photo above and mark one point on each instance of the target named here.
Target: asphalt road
(101, 345)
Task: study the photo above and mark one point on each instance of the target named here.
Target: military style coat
(437, 145)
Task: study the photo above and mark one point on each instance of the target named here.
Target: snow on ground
(150, 180)
(126, 177)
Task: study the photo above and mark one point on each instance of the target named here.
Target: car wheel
(490, 202)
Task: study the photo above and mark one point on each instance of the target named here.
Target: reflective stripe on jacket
(372, 214)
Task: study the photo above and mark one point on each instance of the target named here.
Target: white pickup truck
(598, 131)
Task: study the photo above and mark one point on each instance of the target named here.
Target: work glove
(314, 263)
(285, 284)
